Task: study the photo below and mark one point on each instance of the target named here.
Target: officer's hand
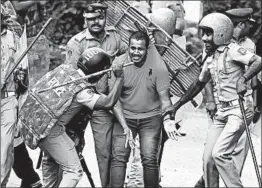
(129, 138)
(241, 86)
(170, 128)
(118, 70)
(211, 108)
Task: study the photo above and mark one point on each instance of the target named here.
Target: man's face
(242, 29)
(97, 24)
(208, 39)
(137, 51)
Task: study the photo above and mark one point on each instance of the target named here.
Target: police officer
(227, 70)
(57, 146)
(243, 23)
(97, 34)
(9, 103)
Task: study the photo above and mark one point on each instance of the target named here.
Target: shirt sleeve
(73, 52)
(240, 54)
(88, 98)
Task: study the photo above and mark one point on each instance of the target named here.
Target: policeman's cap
(240, 14)
(95, 10)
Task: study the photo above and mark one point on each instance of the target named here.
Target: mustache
(96, 25)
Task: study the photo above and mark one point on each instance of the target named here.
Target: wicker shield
(183, 68)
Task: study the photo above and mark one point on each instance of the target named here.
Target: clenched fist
(118, 70)
(241, 86)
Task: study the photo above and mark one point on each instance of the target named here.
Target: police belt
(225, 104)
(5, 94)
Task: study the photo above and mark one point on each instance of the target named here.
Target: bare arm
(255, 65)
(165, 101)
(118, 112)
(195, 88)
(209, 92)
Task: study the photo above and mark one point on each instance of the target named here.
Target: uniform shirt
(226, 66)
(8, 48)
(248, 44)
(85, 97)
(141, 87)
(244, 42)
(111, 43)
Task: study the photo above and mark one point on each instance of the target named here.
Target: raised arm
(192, 91)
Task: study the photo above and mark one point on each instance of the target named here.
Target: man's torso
(139, 96)
(226, 70)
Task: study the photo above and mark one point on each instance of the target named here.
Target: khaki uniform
(226, 66)
(9, 105)
(102, 120)
(111, 43)
(241, 151)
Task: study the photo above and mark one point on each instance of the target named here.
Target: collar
(242, 39)
(89, 36)
(222, 48)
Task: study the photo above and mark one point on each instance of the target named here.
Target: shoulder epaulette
(80, 36)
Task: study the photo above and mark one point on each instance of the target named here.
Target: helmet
(221, 25)
(165, 18)
(93, 60)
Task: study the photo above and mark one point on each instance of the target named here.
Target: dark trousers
(102, 128)
(149, 131)
(23, 167)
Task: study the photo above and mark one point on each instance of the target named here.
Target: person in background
(97, 34)
(23, 165)
(9, 102)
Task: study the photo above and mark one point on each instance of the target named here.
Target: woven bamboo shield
(183, 68)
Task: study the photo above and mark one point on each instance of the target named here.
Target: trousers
(102, 128)
(9, 107)
(61, 166)
(23, 168)
(149, 131)
(222, 139)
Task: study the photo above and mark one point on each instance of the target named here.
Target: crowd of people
(130, 109)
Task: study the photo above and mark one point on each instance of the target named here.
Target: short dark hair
(139, 35)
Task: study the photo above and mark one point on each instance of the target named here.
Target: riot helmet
(221, 26)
